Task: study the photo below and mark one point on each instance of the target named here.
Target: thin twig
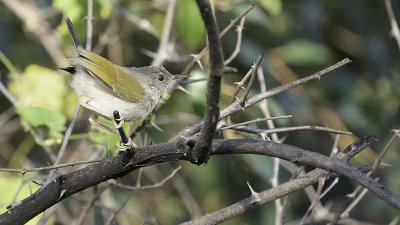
(227, 28)
(254, 121)
(352, 196)
(90, 204)
(236, 51)
(393, 22)
(252, 78)
(8, 95)
(151, 186)
(316, 203)
(143, 24)
(263, 132)
(115, 213)
(240, 85)
(70, 164)
(279, 210)
(162, 52)
(354, 203)
(236, 107)
(89, 30)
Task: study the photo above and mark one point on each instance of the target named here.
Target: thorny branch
(236, 106)
(201, 151)
(259, 198)
(68, 184)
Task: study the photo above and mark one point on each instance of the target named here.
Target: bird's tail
(72, 32)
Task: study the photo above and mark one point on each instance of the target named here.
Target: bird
(103, 87)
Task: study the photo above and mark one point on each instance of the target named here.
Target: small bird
(104, 87)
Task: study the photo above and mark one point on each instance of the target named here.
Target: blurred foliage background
(298, 38)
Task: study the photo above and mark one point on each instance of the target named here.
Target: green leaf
(33, 116)
(190, 25)
(39, 86)
(304, 52)
(272, 6)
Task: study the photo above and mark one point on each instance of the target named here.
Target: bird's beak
(180, 76)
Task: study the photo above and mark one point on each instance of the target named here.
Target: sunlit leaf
(39, 86)
(34, 116)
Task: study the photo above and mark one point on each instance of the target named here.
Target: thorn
(196, 57)
(255, 195)
(184, 90)
(199, 62)
(149, 53)
(125, 146)
(62, 193)
(155, 126)
(251, 189)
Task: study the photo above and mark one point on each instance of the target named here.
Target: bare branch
(236, 107)
(201, 151)
(254, 121)
(252, 78)
(143, 24)
(352, 196)
(65, 185)
(45, 168)
(227, 28)
(7, 94)
(162, 52)
(235, 52)
(151, 186)
(89, 29)
(279, 191)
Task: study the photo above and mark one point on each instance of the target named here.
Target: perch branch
(66, 185)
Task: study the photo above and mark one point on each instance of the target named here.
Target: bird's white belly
(92, 96)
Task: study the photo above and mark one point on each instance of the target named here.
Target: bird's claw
(125, 146)
(118, 123)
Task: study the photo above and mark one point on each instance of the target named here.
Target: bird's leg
(118, 121)
(93, 121)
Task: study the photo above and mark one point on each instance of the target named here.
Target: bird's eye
(161, 78)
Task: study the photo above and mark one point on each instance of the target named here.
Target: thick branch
(65, 185)
(201, 151)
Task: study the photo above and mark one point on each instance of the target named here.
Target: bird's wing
(115, 78)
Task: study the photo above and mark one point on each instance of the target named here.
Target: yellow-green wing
(121, 83)
(127, 88)
(99, 66)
